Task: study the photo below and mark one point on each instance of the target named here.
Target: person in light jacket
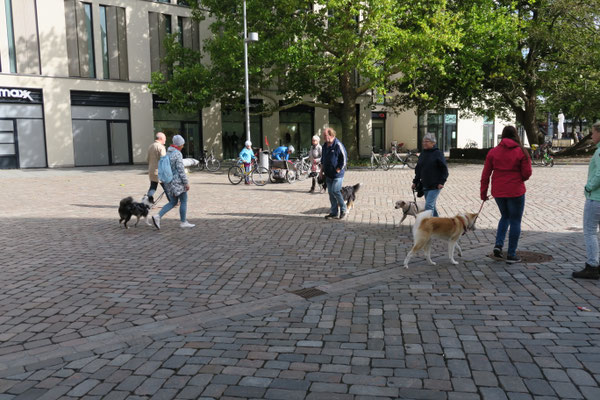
(178, 187)
(155, 152)
(247, 155)
(334, 159)
(591, 212)
(509, 166)
(314, 157)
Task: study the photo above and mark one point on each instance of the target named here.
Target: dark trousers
(154, 186)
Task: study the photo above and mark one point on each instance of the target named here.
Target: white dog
(410, 208)
(427, 227)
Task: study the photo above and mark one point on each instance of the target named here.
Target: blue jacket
(334, 157)
(247, 155)
(431, 169)
(281, 153)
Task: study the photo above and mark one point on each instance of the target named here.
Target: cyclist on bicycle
(247, 155)
(282, 152)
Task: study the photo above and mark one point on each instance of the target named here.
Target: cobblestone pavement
(91, 310)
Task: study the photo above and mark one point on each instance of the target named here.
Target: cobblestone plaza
(91, 310)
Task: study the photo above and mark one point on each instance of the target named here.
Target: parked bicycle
(302, 168)
(211, 163)
(410, 159)
(379, 160)
(257, 174)
(540, 155)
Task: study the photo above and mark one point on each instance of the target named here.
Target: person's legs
(172, 203)
(515, 207)
(247, 169)
(503, 223)
(430, 199)
(591, 220)
(337, 194)
(333, 210)
(152, 190)
(183, 206)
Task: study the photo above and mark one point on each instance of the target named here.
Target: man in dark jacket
(431, 172)
(334, 159)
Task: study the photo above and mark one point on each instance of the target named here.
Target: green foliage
(332, 51)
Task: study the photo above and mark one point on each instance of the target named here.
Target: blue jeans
(431, 196)
(511, 211)
(334, 188)
(182, 207)
(591, 220)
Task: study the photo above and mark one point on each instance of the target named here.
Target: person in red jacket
(509, 166)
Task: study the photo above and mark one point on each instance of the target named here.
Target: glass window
(11, 36)
(234, 131)
(296, 127)
(80, 39)
(488, 133)
(104, 41)
(378, 127)
(113, 30)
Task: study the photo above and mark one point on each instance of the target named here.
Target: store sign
(16, 94)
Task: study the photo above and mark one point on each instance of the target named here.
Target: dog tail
(356, 187)
(420, 218)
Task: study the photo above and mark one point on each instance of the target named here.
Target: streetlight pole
(253, 38)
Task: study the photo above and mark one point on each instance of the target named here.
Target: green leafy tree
(513, 55)
(329, 51)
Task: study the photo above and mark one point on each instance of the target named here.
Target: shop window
(187, 125)
(80, 39)
(441, 124)
(296, 127)
(488, 133)
(113, 30)
(233, 124)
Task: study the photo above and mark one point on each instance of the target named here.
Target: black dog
(349, 195)
(129, 208)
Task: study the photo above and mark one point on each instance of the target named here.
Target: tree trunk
(348, 116)
(528, 119)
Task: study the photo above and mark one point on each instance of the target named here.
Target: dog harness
(463, 224)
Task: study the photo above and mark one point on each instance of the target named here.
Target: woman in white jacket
(314, 156)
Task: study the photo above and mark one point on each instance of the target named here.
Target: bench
(561, 143)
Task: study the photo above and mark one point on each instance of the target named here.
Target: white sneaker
(156, 221)
(187, 225)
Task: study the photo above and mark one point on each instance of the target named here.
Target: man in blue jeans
(334, 158)
(591, 213)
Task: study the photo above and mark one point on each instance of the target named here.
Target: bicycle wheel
(385, 164)
(302, 171)
(235, 174)
(411, 161)
(212, 164)
(290, 176)
(260, 176)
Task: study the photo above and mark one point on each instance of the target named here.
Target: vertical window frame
(12, 54)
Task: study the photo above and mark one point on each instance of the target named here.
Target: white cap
(248, 143)
(291, 148)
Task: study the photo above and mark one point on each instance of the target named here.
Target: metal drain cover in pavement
(307, 293)
(529, 257)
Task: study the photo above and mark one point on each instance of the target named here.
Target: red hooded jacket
(510, 166)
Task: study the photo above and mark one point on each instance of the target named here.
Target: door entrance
(9, 157)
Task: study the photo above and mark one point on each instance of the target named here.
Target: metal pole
(246, 75)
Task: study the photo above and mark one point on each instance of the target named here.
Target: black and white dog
(349, 195)
(129, 208)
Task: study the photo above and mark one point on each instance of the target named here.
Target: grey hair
(430, 137)
(596, 126)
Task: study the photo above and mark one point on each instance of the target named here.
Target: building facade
(74, 92)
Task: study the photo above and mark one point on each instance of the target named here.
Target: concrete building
(74, 91)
